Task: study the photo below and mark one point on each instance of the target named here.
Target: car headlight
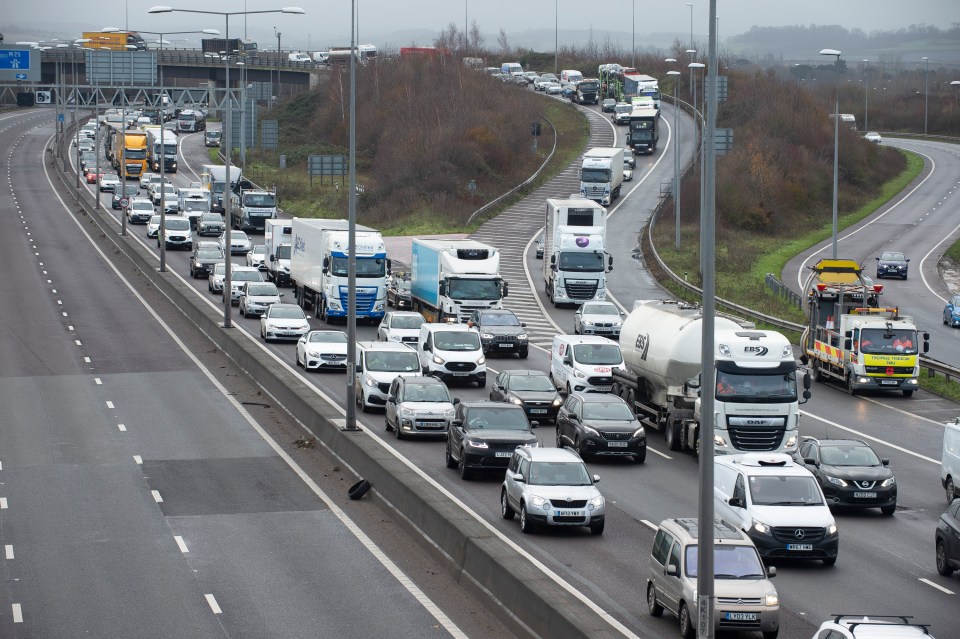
(580, 374)
(437, 359)
(590, 431)
(558, 401)
(836, 481)
(888, 482)
(516, 400)
(481, 361)
(449, 413)
(791, 442)
(761, 527)
(486, 336)
(538, 502)
(586, 322)
(394, 338)
(597, 502)
(640, 432)
(772, 599)
(832, 529)
(618, 323)
(406, 412)
(370, 382)
(476, 444)
(522, 336)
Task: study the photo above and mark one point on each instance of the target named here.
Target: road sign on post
(269, 134)
(723, 141)
(19, 63)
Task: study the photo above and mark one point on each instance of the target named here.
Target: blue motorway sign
(21, 76)
(12, 59)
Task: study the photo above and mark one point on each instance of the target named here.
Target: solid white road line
(109, 404)
(156, 496)
(17, 613)
(137, 459)
(8, 550)
(122, 428)
(870, 437)
(3, 503)
(181, 544)
(937, 586)
(212, 602)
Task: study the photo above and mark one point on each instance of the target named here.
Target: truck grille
(581, 291)
(895, 370)
(594, 192)
(788, 534)
(366, 297)
(756, 439)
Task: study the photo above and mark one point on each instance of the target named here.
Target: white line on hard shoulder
(649, 524)
(428, 605)
(156, 496)
(3, 503)
(871, 438)
(181, 544)
(137, 459)
(8, 551)
(110, 404)
(17, 613)
(937, 586)
(212, 602)
(122, 428)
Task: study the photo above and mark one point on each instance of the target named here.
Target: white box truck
(194, 202)
(574, 260)
(601, 174)
(453, 278)
(154, 152)
(319, 263)
(213, 178)
(278, 244)
(757, 397)
(251, 208)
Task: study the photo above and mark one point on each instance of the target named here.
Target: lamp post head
(211, 31)
(160, 9)
(81, 40)
(830, 52)
(673, 73)
(696, 65)
(691, 51)
(296, 10)
(669, 60)
(924, 58)
(955, 83)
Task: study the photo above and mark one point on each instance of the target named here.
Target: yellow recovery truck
(850, 338)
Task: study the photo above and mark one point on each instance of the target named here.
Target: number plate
(566, 513)
(617, 444)
(460, 374)
(538, 411)
(889, 382)
(501, 453)
(799, 546)
(602, 389)
(505, 345)
(740, 616)
(864, 495)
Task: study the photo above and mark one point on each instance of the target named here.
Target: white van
(299, 57)
(778, 503)
(570, 75)
(950, 463)
(452, 352)
(584, 363)
(378, 364)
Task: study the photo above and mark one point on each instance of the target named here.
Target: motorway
(147, 488)
(885, 563)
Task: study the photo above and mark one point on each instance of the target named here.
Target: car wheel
(482, 382)
(580, 448)
(653, 607)
(597, 529)
(908, 393)
(241, 310)
(362, 403)
(526, 527)
(888, 510)
(398, 432)
(386, 424)
(524, 353)
(951, 490)
(771, 634)
(569, 389)
(451, 462)
(296, 358)
(829, 561)
(943, 565)
(686, 626)
(641, 456)
(505, 510)
(462, 466)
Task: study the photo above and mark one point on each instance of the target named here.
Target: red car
(93, 177)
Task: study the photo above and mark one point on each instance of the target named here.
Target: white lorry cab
(584, 363)
(378, 364)
(452, 351)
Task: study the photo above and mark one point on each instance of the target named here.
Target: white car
(108, 182)
(400, 326)
(239, 242)
(540, 83)
(216, 277)
(170, 192)
(257, 257)
(418, 406)
(321, 349)
(239, 275)
(598, 318)
(285, 321)
(153, 226)
(873, 136)
(627, 170)
(147, 178)
(140, 211)
(256, 297)
(552, 88)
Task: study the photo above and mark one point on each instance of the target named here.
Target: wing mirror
(673, 570)
(771, 572)
(596, 478)
(518, 477)
(737, 502)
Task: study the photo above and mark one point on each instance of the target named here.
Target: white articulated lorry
(213, 177)
(601, 174)
(757, 398)
(318, 268)
(574, 260)
(278, 245)
(453, 278)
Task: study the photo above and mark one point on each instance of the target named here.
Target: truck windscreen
(586, 262)
(283, 252)
(366, 267)
(880, 341)
(595, 175)
(260, 199)
(135, 154)
(464, 289)
(756, 388)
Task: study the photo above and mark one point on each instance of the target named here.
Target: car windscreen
(209, 254)
(246, 276)
(558, 474)
(262, 289)
(499, 319)
(509, 417)
(608, 354)
(729, 562)
(785, 490)
(891, 257)
(600, 309)
(406, 321)
(607, 411)
(398, 362)
(327, 337)
(177, 225)
(426, 393)
(531, 383)
(848, 455)
(285, 312)
(456, 341)
(155, 219)
(211, 217)
(137, 205)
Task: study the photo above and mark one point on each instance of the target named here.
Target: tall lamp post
(836, 140)
(278, 62)
(956, 94)
(556, 37)
(676, 155)
(227, 281)
(693, 66)
(692, 52)
(866, 95)
(691, 49)
(926, 73)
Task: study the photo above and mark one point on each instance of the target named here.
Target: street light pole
(676, 156)
(227, 279)
(556, 36)
(926, 73)
(278, 63)
(956, 94)
(633, 39)
(693, 86)
(691, 49)
(351, 406)
(836, 141)
(866, 96)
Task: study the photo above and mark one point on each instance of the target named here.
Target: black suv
(398, 292)
(600, 424)
(205, 255)
(532, 390)
(850, 473)
(500, 332)
(483, 436)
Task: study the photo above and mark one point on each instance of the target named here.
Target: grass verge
(941, 386)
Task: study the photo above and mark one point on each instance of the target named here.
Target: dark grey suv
(483, 436)
(600, 424)
(500, 332)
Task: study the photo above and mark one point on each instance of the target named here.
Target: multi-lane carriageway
(892, 556)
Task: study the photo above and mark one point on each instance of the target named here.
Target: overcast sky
(327, 21)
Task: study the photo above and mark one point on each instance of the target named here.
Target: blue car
(892, 264)
(951, 312)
